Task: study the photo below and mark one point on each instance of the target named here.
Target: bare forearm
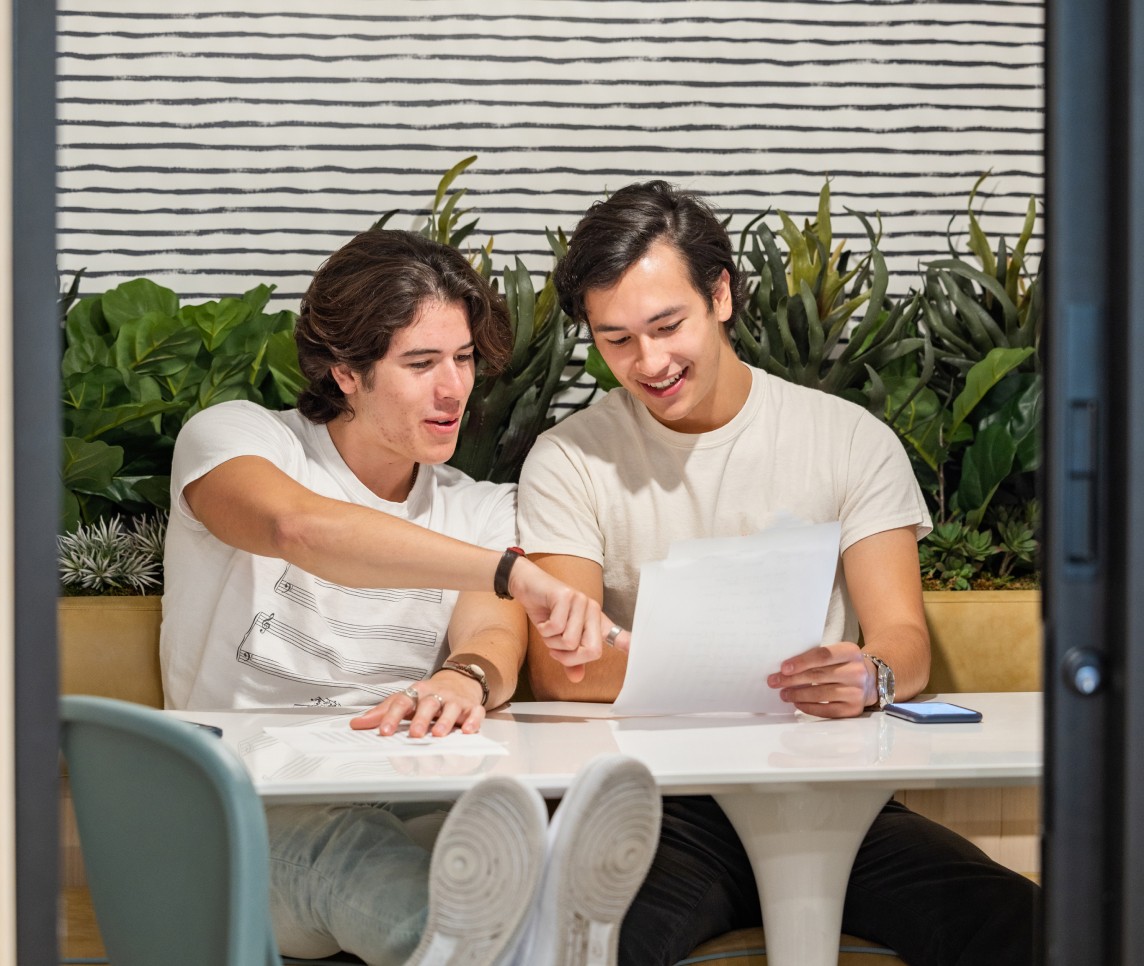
(906, 649)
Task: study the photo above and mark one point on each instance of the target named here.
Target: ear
(348, 381)
(721, 296)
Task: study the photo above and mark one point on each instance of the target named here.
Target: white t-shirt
(240, 630)
(613, 485)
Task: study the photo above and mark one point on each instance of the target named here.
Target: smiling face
(409, 410)
(666, 345)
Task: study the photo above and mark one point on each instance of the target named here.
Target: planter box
(109, 646)
(984, 640)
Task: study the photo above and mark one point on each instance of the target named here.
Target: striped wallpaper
(215, 144)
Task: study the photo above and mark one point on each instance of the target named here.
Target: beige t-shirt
(612, 485)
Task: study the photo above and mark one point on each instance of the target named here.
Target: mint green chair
(173, 838)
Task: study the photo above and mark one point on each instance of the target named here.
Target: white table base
(802, 844)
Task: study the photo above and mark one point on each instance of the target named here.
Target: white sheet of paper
(333, 736)
(718, 616)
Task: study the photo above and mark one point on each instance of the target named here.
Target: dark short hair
(617, 232)
(370, 288)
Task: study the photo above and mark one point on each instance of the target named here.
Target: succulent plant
(111, 556)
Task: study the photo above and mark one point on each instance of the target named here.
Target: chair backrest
(173, 838)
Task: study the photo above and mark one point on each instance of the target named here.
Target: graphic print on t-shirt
(369, 641)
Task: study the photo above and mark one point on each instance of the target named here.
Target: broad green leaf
(86, 320)
(257, 297)
(984, 375)
(1020, 414)
(93, 424)
(95, 389)
(215, 319)
(282, 358)
(135, 298)
(598, 369)
(986, 463)
(156, 344)
(89, 466)
(226, 380)
(84, 354)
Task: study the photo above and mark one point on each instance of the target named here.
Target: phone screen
(935, 712)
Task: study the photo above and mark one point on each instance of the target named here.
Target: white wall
(213, 144)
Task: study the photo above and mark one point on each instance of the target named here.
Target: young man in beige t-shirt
(697, 444)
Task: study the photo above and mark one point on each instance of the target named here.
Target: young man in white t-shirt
(326, 557)
(698, 444)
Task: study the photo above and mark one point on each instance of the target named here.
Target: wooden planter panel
(109, 646)
(984, 640)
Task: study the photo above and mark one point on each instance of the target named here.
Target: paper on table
(333, 736)
(717, 616)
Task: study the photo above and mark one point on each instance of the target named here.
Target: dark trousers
(916, 887)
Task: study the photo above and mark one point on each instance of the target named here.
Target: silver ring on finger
(411, 693)
(440, 700)
(610, 638)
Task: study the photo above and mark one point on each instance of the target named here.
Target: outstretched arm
(249, 503)
(884, 581)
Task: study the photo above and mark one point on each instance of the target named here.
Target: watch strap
(504, 568)
(474, 671)
(883, 681)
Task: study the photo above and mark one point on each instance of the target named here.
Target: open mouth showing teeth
(667, 383)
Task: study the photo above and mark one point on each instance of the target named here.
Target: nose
(455, 384)
(653, 358)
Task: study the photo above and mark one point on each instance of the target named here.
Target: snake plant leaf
(135, 298)
(801, 264)
(823, 222)
(1017, 261)
(814, 337)
(983, 377)
(979, 245)
(449, 216)
(462, 233)
(975, 321)
(598, 369)
(89, 465)
(449, 177)
(959, 268)
(383, 220)
(987, 462)
(521, 298)
(939, 324)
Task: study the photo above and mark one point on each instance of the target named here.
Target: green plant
(136, 366)
(112, 556)
(972, 433)
(508, 411)
(798, 321)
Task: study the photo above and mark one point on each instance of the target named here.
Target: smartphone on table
(933, 712)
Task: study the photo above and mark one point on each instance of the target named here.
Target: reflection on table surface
(548, 742)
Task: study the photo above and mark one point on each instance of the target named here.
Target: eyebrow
(411, 353)
(658, 317)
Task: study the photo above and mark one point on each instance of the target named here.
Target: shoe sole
(604, 845)
(483, 875)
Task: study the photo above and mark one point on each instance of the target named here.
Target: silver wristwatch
(884, 681)
(474, 671)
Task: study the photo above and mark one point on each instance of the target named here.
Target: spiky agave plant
(112, 557)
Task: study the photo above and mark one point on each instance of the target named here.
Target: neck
(384, 474)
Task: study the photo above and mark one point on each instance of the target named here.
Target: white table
(800, 791)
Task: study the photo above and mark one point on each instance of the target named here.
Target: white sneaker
(483, 876)
(601, 842)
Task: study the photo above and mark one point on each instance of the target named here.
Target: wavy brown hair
(617, 232)
(370, 288)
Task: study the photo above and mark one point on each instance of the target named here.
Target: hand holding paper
(719, 616)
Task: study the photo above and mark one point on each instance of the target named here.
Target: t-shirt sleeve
(221, 433)
(881, 490)
(499, 528)
(556, 512)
